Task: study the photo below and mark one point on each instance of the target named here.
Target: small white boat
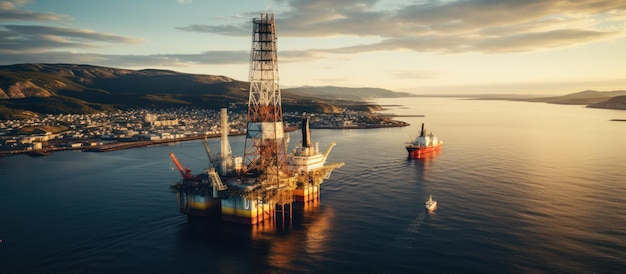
(430, 204)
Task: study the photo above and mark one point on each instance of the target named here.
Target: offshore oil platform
(266, 180)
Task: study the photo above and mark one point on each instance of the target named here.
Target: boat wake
(406, 238)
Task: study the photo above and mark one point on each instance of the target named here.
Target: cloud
(229, 30)
(210, 57)
(412, 75)
(549, 39)
(29, 39)
(446, 27)
(10, 12)
(484, 26)
(205, 58)
(522, 42)
(19, 40)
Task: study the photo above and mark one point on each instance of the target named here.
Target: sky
(422, 47)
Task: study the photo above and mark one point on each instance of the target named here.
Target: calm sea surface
(522, 188)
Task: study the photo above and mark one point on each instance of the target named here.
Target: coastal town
(106, 131)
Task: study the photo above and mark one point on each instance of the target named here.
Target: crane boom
(332, 144)
(212, 159)
(185, 172)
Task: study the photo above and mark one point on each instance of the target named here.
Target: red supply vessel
(423, 145)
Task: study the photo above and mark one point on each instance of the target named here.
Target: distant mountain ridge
(54, 79)
(73, 88)
(615, 99)
(586, 97)
(345, 93)
(617, 102)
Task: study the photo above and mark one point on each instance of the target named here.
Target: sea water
(521, 187)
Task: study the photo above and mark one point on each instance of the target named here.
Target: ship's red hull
(419, 152)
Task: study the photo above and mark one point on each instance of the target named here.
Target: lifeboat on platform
(423, 145)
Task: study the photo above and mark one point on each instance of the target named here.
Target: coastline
(120, 145)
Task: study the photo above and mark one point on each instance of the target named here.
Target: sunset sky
(424, 47)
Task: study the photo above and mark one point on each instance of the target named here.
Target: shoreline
(120, 145)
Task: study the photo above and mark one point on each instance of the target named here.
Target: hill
(617, 102)
(586, 97)
(345, 93)
(73, 88)
(591, 98)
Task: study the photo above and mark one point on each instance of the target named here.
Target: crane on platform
(184, 171)
(332, 144)
(213, 160)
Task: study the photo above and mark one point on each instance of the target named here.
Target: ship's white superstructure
(307, 157)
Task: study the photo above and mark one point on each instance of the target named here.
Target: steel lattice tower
(265, 147)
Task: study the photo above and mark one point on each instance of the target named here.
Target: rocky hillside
(617, 102)
(591, 98)
(345, 93)
(586, 97)
(71, 88)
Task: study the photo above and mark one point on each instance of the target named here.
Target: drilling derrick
(265, 140)
(265, 148)
(264, 182)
